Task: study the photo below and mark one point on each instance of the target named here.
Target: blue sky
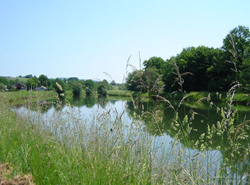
(84, 39)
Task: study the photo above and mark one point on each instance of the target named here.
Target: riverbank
(109, 150)
(126, 93)
(23, 96)
(51, 157)
(240, 98)
(28, 96)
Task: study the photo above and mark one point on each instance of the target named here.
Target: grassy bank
(25, 96)
(126, 93)
(98, 156)
(22, 96)
(67, 150)
(240, 98)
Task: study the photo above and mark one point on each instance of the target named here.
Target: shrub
(76, 90)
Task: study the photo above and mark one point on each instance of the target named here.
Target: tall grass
(64, 151)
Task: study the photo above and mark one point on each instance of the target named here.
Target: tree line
(60, 85)
(194, 69)
(198, 68)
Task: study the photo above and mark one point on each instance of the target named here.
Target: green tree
(237, 43)
(154, 68)
(76, 89)
(2, 87)
(3, 80)
(44, 81)
(198, 69)
(136, 81)
(156, 63)
(154, 83)
(73, 79)
(113, 83)
(237, 51)
(106, 84)
(30, 84)
(10, 84)
(90, 87)
(102, 90)
(28, 76)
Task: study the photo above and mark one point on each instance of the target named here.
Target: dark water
(158, 118)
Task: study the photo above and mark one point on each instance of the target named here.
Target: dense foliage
(76, 89)
(201, 68)
(90, 87)
(102, 90)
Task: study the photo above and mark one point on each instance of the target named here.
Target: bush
(102, 90)
(76, 90)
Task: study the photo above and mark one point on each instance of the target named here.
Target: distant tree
(106, 84)
(112, 82)
(136, 81)
(76, 89)
(154, 68)
(90, 87)
(153, 81)
(2, 87)
(44, 81)
(35, 79)
(10, 84)
(157, 63)
(198, 69)
(102, 90)
(237, 43)
(31, 84)
(4, 80)
(28, 76)
(73, 79)
(237, 51)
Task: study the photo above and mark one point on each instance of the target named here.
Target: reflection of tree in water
(80, 102)
(89, 101)
(159, 119)
(102, 101)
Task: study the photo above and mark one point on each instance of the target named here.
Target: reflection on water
(196, 122)
(204, 114)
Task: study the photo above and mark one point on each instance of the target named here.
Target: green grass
(22, 80)
(55, 152)
(99, 157)
(241, 98)
(19, 97)
(126, 93)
